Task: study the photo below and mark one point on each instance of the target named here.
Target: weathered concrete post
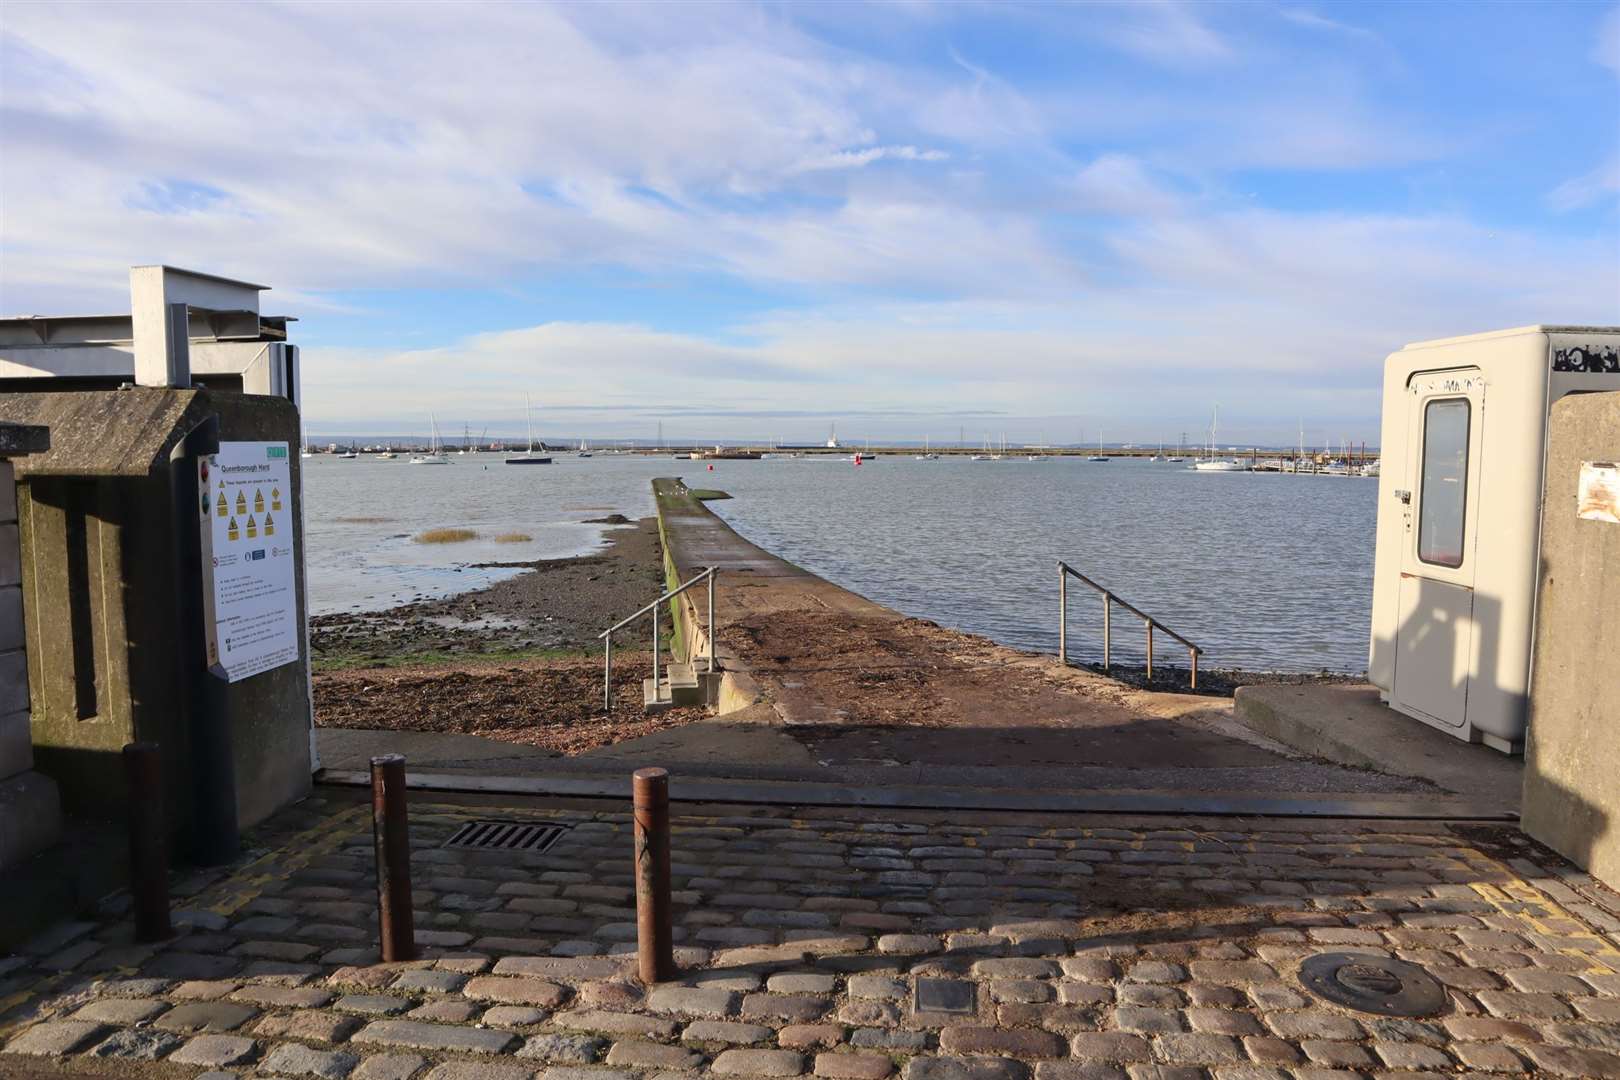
(390, 831)
(654, 934)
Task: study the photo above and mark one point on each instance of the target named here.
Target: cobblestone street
(1089, 946)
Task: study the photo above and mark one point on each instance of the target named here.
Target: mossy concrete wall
(97, 544)
(1572, 755)
(30, 805)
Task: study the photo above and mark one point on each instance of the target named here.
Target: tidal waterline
(1264, 571)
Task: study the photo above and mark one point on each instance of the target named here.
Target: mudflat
(518, 661)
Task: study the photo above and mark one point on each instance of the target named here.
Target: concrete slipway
(833, 699)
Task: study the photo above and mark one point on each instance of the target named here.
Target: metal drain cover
(1373, 984)
(505, 836)
(946, 996)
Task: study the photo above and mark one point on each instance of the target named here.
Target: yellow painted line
(242, 887)
(42, 988)
(1518, 891)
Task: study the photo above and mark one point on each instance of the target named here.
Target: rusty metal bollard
(148, 844)
(391, 833)
(654, 937)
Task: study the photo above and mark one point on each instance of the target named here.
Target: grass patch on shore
(445, 536)
(437, 658)
(513, 538)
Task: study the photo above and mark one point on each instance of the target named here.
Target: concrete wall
(98, 549)
(30, 806)
(1572, 757)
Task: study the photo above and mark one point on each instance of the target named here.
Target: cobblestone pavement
(1090, 946)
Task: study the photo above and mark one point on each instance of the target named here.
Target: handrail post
(1149, 649)
(607, 674)
(1108, 606)
(1063, 616)
(655, 654)
(1192, 655)
(711, 620)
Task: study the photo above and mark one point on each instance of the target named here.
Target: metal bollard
(148, 846)
(390, 831)
(654, 937)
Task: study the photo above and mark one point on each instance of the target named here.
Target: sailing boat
(1099, 456)
(1160, 455)
(307, 451)
(1212, 464)
(528, 457)
(435, 455)
(927, 454)
(584, 448)
(985, 456)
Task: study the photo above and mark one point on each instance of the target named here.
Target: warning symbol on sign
(269, 525)
(252, 527)
(231, 531)
(241, 503)
(275, 498)
(258, 501)
(220, 508)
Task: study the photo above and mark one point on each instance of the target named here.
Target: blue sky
(755, 219)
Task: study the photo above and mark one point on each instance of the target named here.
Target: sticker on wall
(1591, 359)
(1598, 496)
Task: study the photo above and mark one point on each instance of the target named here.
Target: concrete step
(678, 684)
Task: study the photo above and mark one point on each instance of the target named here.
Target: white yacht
(435, 453)
(1212, 463)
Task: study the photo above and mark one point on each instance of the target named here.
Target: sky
(1053, 223)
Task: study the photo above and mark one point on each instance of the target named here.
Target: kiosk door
(1435, 641)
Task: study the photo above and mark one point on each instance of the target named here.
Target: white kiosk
(1459, 512)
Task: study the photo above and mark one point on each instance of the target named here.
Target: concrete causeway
(1085, 947)
(852, 691)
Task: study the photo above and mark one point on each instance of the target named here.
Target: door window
(1444, 494)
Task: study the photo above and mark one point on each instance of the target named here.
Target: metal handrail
(1065, 571)
(606, 636)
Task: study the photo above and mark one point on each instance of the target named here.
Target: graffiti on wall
(1592, 359)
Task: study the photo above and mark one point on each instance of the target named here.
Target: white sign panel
(249, 599)
(1598, 496)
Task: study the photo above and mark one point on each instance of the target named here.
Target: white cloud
(957, 231)
(1606, 49)
(1588, 189)
(1297, 310)
(1120, 184)
(856, 159)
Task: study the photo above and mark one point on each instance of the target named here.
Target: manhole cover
(1373, 984)
(505, 836)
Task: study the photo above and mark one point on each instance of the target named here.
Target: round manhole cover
(1374, 984)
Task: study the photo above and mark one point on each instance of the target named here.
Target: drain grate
(1373, 984)
(505, 836)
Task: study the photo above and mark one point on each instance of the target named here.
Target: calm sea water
(1268, 572)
